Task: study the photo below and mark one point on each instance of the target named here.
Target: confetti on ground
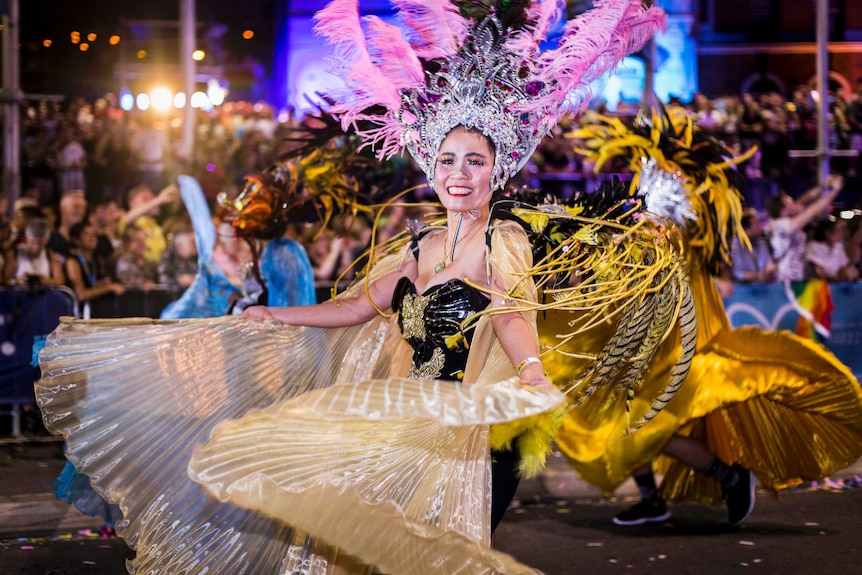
(612, 560)
(757, 561)
(811, 524)
(595, 544)
(662, 556)
(746, 542)
(88, 562)
(27, 547)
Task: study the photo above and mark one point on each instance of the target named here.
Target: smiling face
(462, 175)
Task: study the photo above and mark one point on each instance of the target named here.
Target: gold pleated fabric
(773, 402)
(236, 446)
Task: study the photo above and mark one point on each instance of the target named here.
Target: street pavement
(557, 524)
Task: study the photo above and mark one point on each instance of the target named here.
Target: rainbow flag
(813, 301)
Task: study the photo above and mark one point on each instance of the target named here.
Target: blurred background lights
(91, 37)
(248, 34)
(47, 43)
(143, 101)
(84, 46)
(142, 54)
(161, 99)
(76, 37)
(200, 100)
(114, 40)
(198, 55)
(127, 101)
(215, 92)
(180, 100)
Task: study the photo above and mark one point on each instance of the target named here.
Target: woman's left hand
(533, 374)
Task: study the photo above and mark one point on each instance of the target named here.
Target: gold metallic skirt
(773, 402)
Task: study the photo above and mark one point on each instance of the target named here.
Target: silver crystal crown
(485, 87)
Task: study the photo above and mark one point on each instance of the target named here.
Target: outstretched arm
(165, 196)
(345, 311)
(815, 208)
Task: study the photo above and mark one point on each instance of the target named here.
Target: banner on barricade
(27, 316)
(772, 306)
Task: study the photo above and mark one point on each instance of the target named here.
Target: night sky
(62, 68)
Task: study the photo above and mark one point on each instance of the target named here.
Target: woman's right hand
(257, 312)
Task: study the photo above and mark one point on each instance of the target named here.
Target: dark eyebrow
(467, 155)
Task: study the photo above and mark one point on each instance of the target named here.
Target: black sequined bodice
(431, 324)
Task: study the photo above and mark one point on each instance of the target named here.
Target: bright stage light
(127, 101)
(198, 55)
(200, 100)
(161, 99)
(143, 101)
(180, 100)
(215, 92)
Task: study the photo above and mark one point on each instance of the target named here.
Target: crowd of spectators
(98, 211)
(780, 128)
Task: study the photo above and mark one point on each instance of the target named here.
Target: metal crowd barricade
(27, 316)
(133, 303)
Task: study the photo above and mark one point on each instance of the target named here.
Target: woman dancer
(778, 405)
(331, 449)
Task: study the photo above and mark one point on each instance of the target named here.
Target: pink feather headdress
(413, 85)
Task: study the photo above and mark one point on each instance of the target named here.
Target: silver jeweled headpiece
(482, 87)
(408, 87)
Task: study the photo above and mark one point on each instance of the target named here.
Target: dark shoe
(647, 511)
(740, 497)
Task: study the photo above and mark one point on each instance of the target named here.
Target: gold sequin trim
(412, 316)
(431, 369)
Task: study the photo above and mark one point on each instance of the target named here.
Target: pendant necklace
(441, 265)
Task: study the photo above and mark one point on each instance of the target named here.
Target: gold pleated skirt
(775, 403)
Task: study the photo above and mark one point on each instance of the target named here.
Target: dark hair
(77, 229)
(774, 205)
(30, 212)
(821, 228)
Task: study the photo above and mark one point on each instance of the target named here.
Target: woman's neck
(466, 221)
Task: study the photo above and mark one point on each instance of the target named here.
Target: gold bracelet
(527, 361)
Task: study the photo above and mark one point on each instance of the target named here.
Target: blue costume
(208, 295)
